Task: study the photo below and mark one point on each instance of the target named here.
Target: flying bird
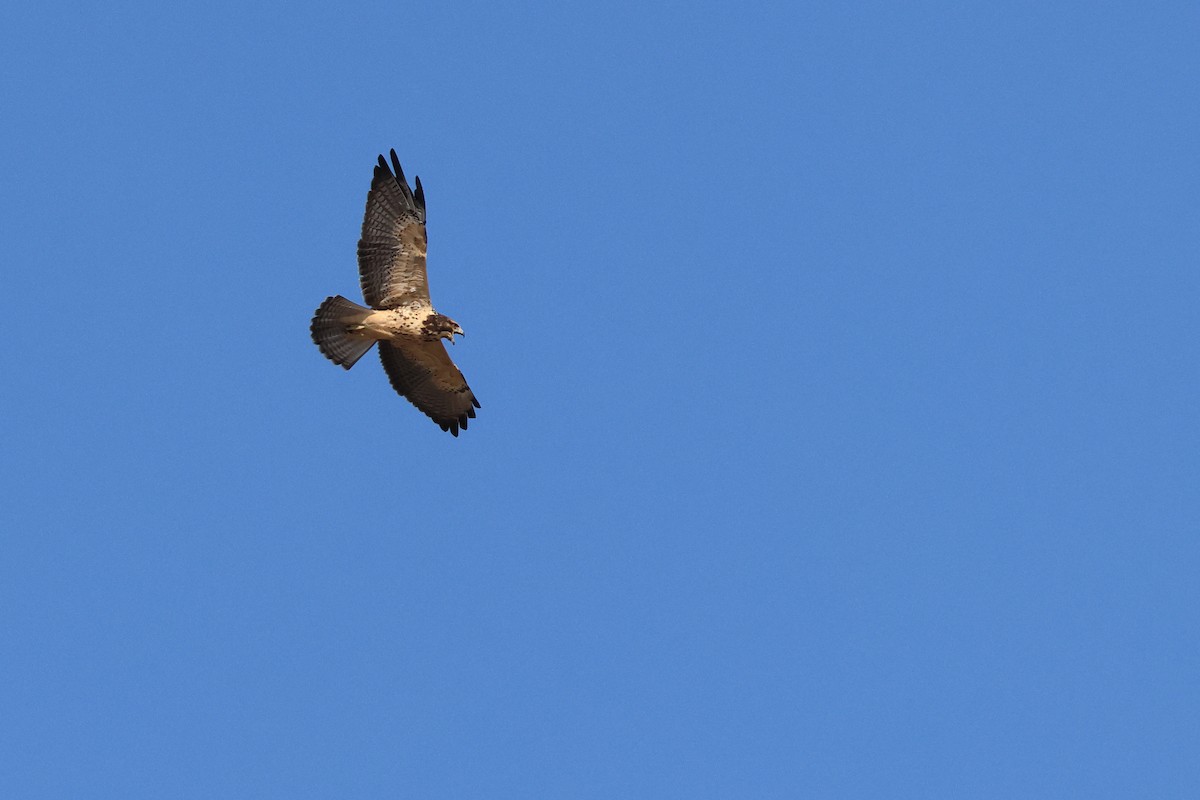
(391, 269)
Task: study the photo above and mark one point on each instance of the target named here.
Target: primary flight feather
(391, 269)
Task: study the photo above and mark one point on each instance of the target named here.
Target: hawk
(391, 269)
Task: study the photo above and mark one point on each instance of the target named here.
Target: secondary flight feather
(400, 317)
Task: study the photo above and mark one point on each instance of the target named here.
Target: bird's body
(400, 316)
(407, 321)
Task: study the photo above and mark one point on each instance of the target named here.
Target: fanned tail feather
(329, 326)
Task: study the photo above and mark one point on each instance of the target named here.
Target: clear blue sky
(839, 376)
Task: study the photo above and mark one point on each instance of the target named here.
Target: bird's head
(439, 326)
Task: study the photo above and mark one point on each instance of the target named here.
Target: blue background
(839, 378)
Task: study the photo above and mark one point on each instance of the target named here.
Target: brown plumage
(391, 269)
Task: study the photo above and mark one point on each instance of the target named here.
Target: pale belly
(395, 323)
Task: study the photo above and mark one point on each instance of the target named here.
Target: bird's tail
(329, 330)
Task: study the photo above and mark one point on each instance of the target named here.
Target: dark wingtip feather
(420, 195)
(396, 167)
(475, 402)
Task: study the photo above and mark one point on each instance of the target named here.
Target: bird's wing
(391, 252)
(424, 373)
